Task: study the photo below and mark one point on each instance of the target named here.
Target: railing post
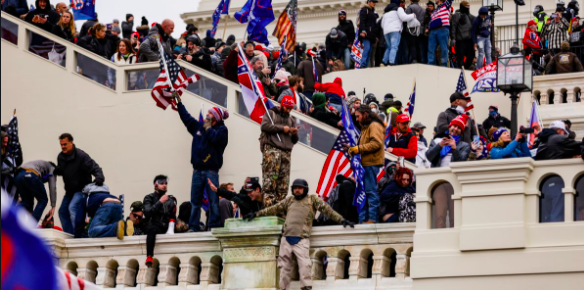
(335, 269)
(544, 99)
(86, 274)
(381, 266)
(400, 266)
(189, 275)
(167, 276)
(209, 274)
(557, 97)
(120, 80)
(125, 276)
(100, 278)
(355, 269)
(570, 96)
(569, 199)
(23, 37)
(109, 279)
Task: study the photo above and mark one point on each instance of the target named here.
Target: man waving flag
(286, 26)
(252, 90)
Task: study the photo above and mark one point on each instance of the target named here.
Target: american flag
(162, 93)
(412, 103)
(280, 58)
(388, 129)
(337, 162)
(13, 158)
(357, 51)
(286, 26)
(462, 88)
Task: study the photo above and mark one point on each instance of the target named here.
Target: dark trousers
(31, 187)
(151, 231)
(465, 53)
(402, 51)
(416, 48)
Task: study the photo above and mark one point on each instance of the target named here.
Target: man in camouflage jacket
(300, 210)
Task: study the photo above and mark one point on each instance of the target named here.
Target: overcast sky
(154, 10)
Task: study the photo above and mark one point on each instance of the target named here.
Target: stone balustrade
(558, 89)
(243, 255)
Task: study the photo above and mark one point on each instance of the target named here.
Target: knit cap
(219, 114)
(319, 100)
(498, 133)
(460, 122)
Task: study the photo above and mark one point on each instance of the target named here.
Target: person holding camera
(555, 32)
(43, 16)
(451, 147)
(160, 212)
(196, 54)
(504, 147)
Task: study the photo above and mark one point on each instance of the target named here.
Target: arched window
(442, 206)
(72, 268)
(217, 270)
(551, 201)
(579, 200)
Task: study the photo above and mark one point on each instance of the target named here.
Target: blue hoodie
(481, 27)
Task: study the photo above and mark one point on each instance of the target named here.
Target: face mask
(376, 111)
(493, 114)
(460, 110)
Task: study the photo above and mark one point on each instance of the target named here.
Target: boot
(149, 262)
(306, 288)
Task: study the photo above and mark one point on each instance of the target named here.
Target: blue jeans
(347, 58)
(68, 210)
(367, 49)
(370, 211)
(484, 47)
(105, 222)
(391, 45)
(198, 187)
(438, 37)
(31, 187)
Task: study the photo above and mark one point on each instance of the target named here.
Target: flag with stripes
(13, 158)
(174, 81)
(535, 122)
(286, 26)
(337, 162)
(357, 51)
(463, 89)
(412, 103)
(280, 58)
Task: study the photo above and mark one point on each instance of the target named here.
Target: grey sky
(154, 10)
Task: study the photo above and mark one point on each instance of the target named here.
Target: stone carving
(249, 254)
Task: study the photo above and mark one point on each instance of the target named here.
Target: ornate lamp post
(514, 76)
(493, 5)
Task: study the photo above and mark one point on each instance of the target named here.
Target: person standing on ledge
(300, 212)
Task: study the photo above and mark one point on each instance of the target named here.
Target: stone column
(335, 269)
(544, 99)
(146, 277)
(87, 274)
(209, 274)
(381, 266)
(167, 276)
(189, 275)
(100, 278)
(249, 253)
(356, 269)
(109, 280)
(317, 270)
(400, 266)
(570, 96)
(126, 277)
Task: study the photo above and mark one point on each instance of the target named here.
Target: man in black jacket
(77, 168)
(368, 30)
(43, 16)
(495, 120)
(348, 28)
(555, 143)
(460, 35)
(128, 26)
(160, 212)
(336, 43)
(196, 54)
(249, 199)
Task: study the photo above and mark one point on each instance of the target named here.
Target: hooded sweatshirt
(334, 90)
(481, 27)
(52, 16)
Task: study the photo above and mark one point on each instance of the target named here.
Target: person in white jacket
(392, 24)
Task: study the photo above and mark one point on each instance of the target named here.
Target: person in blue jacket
(503, 147)
(210, 138)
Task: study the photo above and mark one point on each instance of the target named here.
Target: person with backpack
(392, 24)
(415, 36)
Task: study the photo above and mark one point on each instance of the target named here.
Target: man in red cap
(532, 42)
(450, 147)
(402, 141)
(279, 135)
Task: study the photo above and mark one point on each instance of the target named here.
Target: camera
(527, 130)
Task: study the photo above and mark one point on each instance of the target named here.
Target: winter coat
(368, 22)
(555, 33)
(270, 132)
(132, 76)
(19, 7)
(245, 203)
(336, 46)
(512, 150)
(203, 60)
(391, 195)
(348, 28)
(450, 114)
(564, 62)
(461, 26)
(149, 47)
(329, 118)
(52, 16)
(157, 213)
(371, 144)
(230, 66)
(45, 171)
(113, 42)
(86, 26)
(406, 145)
(208, 144)
(77, 169)
(127, 29)
(481, 27)
(416, 9)
(64, 33)
(393, 21)
(305, 71)
(270, 90)
(497, 122)
(459, 154)
(336, 87)
(556, 146)
(100, 47)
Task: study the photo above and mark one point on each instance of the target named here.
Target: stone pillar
(109, 280)
(189, 275)
(400, 266)
(100, 279)
(335, 269)
(356, 269)
(87, 274)
(167, 276)
(249, 253)
(570, 96)
(557, 98)
(126, 277)
(544, 99)
(146, 277)
(381, 266)
(209, 274)
(317, 270)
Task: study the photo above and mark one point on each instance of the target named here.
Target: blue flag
(23, 252)
(280, 58)
(412, 102)
(222, 9)
(83, 9)
(353, 135)
(258, 14)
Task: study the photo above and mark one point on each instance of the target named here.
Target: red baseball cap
(403, 118)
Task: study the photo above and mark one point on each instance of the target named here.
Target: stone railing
(509, 216)
(243, 255)
(558, 89)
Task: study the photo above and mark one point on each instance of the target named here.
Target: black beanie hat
(430, 3)
(144, 20)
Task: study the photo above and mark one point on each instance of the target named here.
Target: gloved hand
(249, 217)
(354, 150)
(98, 182)
(348, 223)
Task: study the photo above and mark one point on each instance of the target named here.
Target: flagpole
(161, 49)
(471, 111)
(225, 27)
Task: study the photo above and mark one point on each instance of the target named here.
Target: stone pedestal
(249, 253)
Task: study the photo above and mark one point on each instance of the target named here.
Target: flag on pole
(357, 51)
(412, 102)
(13, 158)
(280, 58)
(463, 89)
(535, 122)
(83, 9)
(222, 9)
(486, 78)
(337, 162)
(252, 91)
(286, 26)
(258, 14)
(388, 129)
(174, 81)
